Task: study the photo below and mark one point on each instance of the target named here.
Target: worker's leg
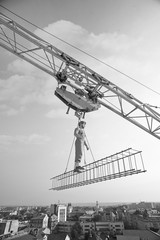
(78, 152)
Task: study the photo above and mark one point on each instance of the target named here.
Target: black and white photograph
(80, 119)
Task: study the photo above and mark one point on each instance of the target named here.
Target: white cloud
(21, 66)
(8, 110)
(7, 140)
(121, 51)
(29, 84)
(11, 112)
(100, 45)
(58, 113)
(37, 139)
(18, 91)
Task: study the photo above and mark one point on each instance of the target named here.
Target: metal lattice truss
(122, 164)
(28, 46)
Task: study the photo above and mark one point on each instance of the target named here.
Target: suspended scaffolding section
(121, 164)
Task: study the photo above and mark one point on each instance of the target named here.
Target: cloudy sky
(35, 133)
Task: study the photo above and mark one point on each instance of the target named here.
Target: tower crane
(90, 92)
(68, 71)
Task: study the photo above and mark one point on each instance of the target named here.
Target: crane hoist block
(76, 101)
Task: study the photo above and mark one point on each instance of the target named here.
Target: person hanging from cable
(79, 145)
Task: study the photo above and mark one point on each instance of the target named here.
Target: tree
(76, 231)
(145, 214)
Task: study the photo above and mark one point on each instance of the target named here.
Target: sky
(36, 135)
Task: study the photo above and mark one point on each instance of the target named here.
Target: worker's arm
(86, 145)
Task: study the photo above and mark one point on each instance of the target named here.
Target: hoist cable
(90, 149)
(70, 154)
(84, 155)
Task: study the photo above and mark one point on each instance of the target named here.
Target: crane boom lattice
(33, 49)
(122, 164)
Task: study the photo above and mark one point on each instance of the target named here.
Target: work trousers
(79, 143)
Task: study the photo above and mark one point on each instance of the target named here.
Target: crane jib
(17, 39)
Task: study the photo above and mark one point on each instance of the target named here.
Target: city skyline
(36, 134)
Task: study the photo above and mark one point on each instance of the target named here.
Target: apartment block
(9, 227)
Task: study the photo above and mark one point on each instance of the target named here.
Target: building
(97, 206)
(116, 227)
(52, 222)
(137, 221)
(62, 213)
(65, 227)
(54, 209)
(85, 218)
(42, 234)
(121, 237)
(9, 227)
(152, 222)
(141, 205)
(39, 221)
(59, 236)
(138, 235)
(87, 227)
(14, 213)
(70, 208)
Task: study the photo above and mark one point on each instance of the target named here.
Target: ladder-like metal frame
(122, 164)
(28, 46)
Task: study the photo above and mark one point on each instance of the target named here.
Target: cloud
(18, 91)
(8, 111)
(58, 113)
(8, 140)
(37, 139)
(21, 66)
(29, 85)
(99, 45)
(11, 112)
